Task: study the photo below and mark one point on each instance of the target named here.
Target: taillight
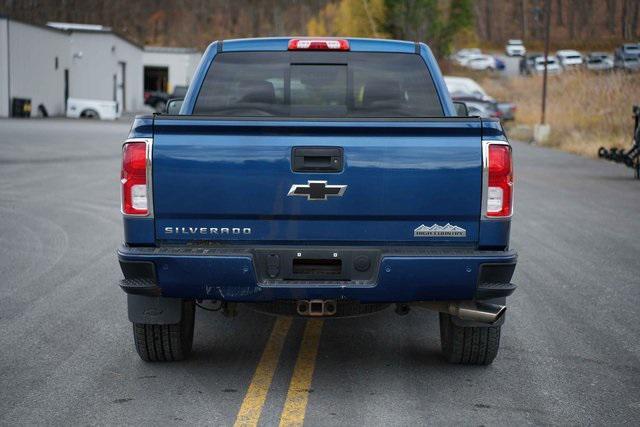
(318, 44)
(499, 191)
(134, 179)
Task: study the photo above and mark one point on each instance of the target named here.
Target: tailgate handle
(317, 159)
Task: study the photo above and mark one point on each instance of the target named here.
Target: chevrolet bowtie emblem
(317, 190)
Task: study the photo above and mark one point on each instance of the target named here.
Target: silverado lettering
(207, 230)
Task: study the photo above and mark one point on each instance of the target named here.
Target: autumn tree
(323, 23)
(434, 22)
(460, 21)
(195, 23)
(354, 18)
(419, 20)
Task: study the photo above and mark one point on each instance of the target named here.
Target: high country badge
(440, 231)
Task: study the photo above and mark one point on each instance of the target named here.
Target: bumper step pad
(140, 286)
(494, 290)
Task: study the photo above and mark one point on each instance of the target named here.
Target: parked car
(482, 62)
(599, 61)
(627, 57)
(78, 108)
(464, 86)
(507, 110)
(463, 55)
(485, 109)
(515, 47)
(504, 111)
(569, 58)
(158, 100)
(480, 110)
(627, 63)
(303, 205)
(628, 49)
(553, 67)
(467, 90)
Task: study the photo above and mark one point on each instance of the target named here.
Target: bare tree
(559, 16)
(198, 22)
(585, 14)
(571, 18)
(489, 17)
(623, 20)
(634, 19)
(611, 16)
(523, 18)
(479, 19)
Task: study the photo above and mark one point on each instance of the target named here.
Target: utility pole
(541, 131)
(547, 30)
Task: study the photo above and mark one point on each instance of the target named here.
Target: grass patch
(586, 110)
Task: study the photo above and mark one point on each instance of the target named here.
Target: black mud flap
(154, 310)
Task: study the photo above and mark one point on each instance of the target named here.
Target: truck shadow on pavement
(380, 339)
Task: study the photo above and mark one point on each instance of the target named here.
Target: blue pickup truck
(317, 177)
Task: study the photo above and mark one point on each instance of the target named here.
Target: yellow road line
(298, 395)
(253, 402)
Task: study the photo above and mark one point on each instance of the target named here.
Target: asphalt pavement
(570, 351)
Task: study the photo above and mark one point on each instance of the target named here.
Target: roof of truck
(355, 44)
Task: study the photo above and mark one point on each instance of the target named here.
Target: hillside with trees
(441, 23)
(573, 22)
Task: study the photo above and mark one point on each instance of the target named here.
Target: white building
(34, 65)
(168, 67)
(104, 65)
(49, 64)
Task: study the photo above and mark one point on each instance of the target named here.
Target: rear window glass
(318, 84)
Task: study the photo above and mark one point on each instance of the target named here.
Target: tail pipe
(476, 311)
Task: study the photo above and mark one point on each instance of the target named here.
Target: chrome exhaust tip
(479, 311)
(476, 311)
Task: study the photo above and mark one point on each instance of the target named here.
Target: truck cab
(318, 178)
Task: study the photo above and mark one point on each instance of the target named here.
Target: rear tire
(89, 114)
(468, 345)
(166, 343)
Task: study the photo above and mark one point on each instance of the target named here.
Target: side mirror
(173, 106)
(461, 109)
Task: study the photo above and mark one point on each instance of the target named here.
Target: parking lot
(569, 354)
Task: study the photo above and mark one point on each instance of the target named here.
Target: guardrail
(630, 157)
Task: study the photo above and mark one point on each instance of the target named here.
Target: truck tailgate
(230, 180)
